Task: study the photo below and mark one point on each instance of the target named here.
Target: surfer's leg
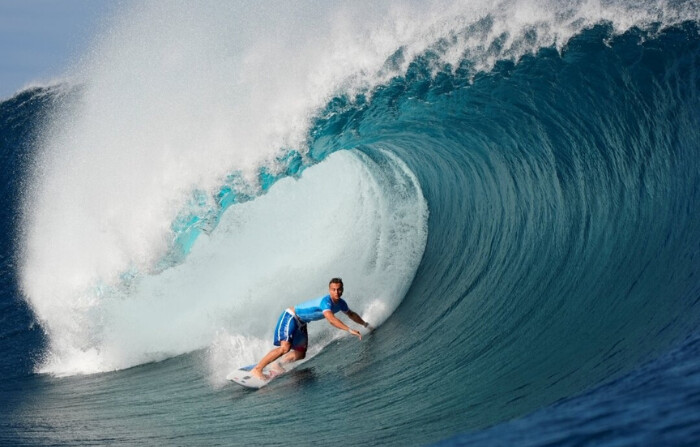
(286, 325)
(300, 342)
(293, 356)
(270, 357)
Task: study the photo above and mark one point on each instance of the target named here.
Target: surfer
(291, 335)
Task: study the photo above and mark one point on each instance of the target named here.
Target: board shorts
(290, 329)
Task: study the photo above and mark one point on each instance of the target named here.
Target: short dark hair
(336, 281)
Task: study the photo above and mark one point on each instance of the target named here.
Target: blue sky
(40, 38)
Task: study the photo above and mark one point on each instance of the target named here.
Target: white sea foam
(346, 217)
(173, 97)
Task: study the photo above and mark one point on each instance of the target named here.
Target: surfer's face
(335, 290)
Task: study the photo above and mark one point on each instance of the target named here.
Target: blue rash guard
(292, 328)
(312, 310)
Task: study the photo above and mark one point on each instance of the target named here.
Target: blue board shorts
(290, 329)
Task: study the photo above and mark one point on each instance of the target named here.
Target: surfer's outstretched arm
(339, 324)
(357, 318)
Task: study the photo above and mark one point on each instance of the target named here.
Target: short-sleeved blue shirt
(312, 310)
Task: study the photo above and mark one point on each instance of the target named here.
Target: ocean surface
(509, 190)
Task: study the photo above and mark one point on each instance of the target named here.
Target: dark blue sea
(510, 192)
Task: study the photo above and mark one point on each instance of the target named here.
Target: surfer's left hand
(355, 333)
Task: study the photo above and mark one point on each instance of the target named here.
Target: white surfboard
(243, 377)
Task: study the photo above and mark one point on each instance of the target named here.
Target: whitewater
(508, 190)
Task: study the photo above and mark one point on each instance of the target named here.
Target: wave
(513, 183)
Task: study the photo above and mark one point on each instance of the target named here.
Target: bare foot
(276, 369)
(257, 373)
